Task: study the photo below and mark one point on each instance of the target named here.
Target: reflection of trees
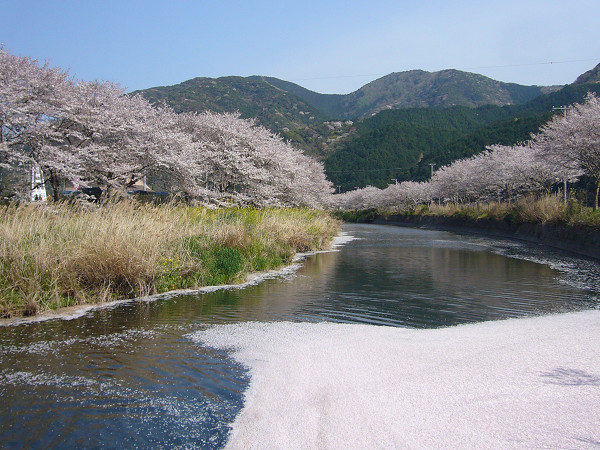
(485, 285)
(395, 276)
(425, 278)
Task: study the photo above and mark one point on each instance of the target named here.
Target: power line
(365, 170)
(531, 64)
(499, 66)
(334, 77)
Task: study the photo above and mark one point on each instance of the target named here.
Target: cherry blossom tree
(124, 138)
(31, 97)
(94, 133)
(405, 195)
(358, 199)
(513, 171)
(572, 142)
(244, 162)
(452, 182)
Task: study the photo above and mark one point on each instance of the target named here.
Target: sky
(326, 46)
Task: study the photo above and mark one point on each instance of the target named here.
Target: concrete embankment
(580, 239)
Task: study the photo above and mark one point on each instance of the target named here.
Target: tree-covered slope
(407, 120)
(591, 76)
(400, 144)
(443, 89)
(326, 103)
(384, 154)
(416, 89)
(271, 106)
(280, 104)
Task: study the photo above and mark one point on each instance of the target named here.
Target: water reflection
(130, 376)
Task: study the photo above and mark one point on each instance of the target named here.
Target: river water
(135, 375)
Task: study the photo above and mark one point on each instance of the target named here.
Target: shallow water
(131, 375)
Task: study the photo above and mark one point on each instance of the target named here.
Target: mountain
(278, 103)
(327, 103)
(400, 144)
(391, 128)
(415, 89)
(591, 76)
(443, 89)
(273, 107)
(298, 114)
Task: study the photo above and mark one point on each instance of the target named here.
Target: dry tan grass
(528, 209)
(549, 208)
(61, 255)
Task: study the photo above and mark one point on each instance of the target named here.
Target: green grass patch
(64, 255)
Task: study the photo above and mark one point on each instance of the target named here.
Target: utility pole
(564, 110)
(561, 108)
(431, 165)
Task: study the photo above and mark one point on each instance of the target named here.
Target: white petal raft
(519, 383)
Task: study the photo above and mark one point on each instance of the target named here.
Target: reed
(63, 255)
(529, 209)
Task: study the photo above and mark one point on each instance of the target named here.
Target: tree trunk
(596, 197)
(51, 177)
(55, 183)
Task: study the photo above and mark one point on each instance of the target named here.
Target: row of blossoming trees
(93, 134)
(563, 150)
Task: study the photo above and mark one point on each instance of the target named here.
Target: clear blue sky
(327, 46)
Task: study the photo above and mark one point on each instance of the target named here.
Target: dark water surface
(129, 376)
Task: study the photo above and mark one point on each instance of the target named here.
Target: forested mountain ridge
(271, 106)
(454, 115)
(280, 104)
(320, 123)
(401, 144)
(591, 76)
(421, 89)
(326, 103)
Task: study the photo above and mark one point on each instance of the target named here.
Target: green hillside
(384, 154)
(400, 144)
(415, 89)
(443, 89)
(591, 76)
(279, 104)
(272, 107)
(406, 120)
(326, 103)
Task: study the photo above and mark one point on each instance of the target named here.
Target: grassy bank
(545, 220)
(547, 209)
(528, 210)
(65, 255)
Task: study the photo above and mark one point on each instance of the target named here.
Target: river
(165, 372)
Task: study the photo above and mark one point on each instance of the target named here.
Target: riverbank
(66, 255)
(544, 221)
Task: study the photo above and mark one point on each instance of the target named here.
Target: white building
(38, 189)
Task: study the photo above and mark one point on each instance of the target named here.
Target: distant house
(140, 186)
(38, 188)
(71, 190)
(141, 190)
